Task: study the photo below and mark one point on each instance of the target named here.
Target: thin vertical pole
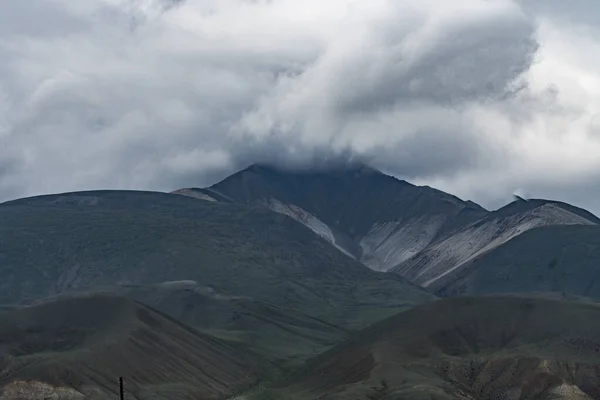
(121, 392)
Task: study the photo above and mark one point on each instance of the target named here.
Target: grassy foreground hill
(77, 348)
(281, 336)
(270, 263)
(463, 348)
(51, 244)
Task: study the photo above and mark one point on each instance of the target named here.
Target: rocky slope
(558, 259)
(375, 218)
(446, 257)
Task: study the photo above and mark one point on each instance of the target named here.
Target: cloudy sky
(481, 98)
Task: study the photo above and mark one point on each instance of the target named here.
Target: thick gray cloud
(479, 98)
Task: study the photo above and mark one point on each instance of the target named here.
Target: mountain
(80, 241)
(560, 259)
(420, 233)
(375, 218)
(463, 348)
(78, 348)
(445, 258)
(268, 268)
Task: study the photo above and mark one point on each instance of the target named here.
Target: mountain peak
(522, 205)
(353, 168)
(370, 216)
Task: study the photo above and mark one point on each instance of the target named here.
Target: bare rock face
(447, 257)
(35, 390)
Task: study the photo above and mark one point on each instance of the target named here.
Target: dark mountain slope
(420, 233)
(74, 347)
(562, 259)
(445, 258)
(52, 244)
(374, 217)
(464, 348)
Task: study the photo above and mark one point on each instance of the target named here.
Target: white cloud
(480, 98)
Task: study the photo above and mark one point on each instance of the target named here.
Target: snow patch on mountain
(307, 219)
(388, 244)
(453, 252)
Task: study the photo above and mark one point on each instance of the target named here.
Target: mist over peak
(477, 99)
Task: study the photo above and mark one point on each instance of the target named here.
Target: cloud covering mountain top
(481, 98)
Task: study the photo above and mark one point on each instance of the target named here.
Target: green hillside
(81, 241)
(282, 336)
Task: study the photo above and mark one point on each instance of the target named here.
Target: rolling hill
(284, 337)
(81, 241)
(78, 348)
(463, 348)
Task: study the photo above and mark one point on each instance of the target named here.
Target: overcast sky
(480, 98)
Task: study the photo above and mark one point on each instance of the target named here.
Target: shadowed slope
(82, 345)
(373, 217)
(52, 244)
(465, 348)
(282, 336)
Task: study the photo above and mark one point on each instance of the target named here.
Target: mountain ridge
(499, 227)
(417, 232)
(329, 203)
(388, 224)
